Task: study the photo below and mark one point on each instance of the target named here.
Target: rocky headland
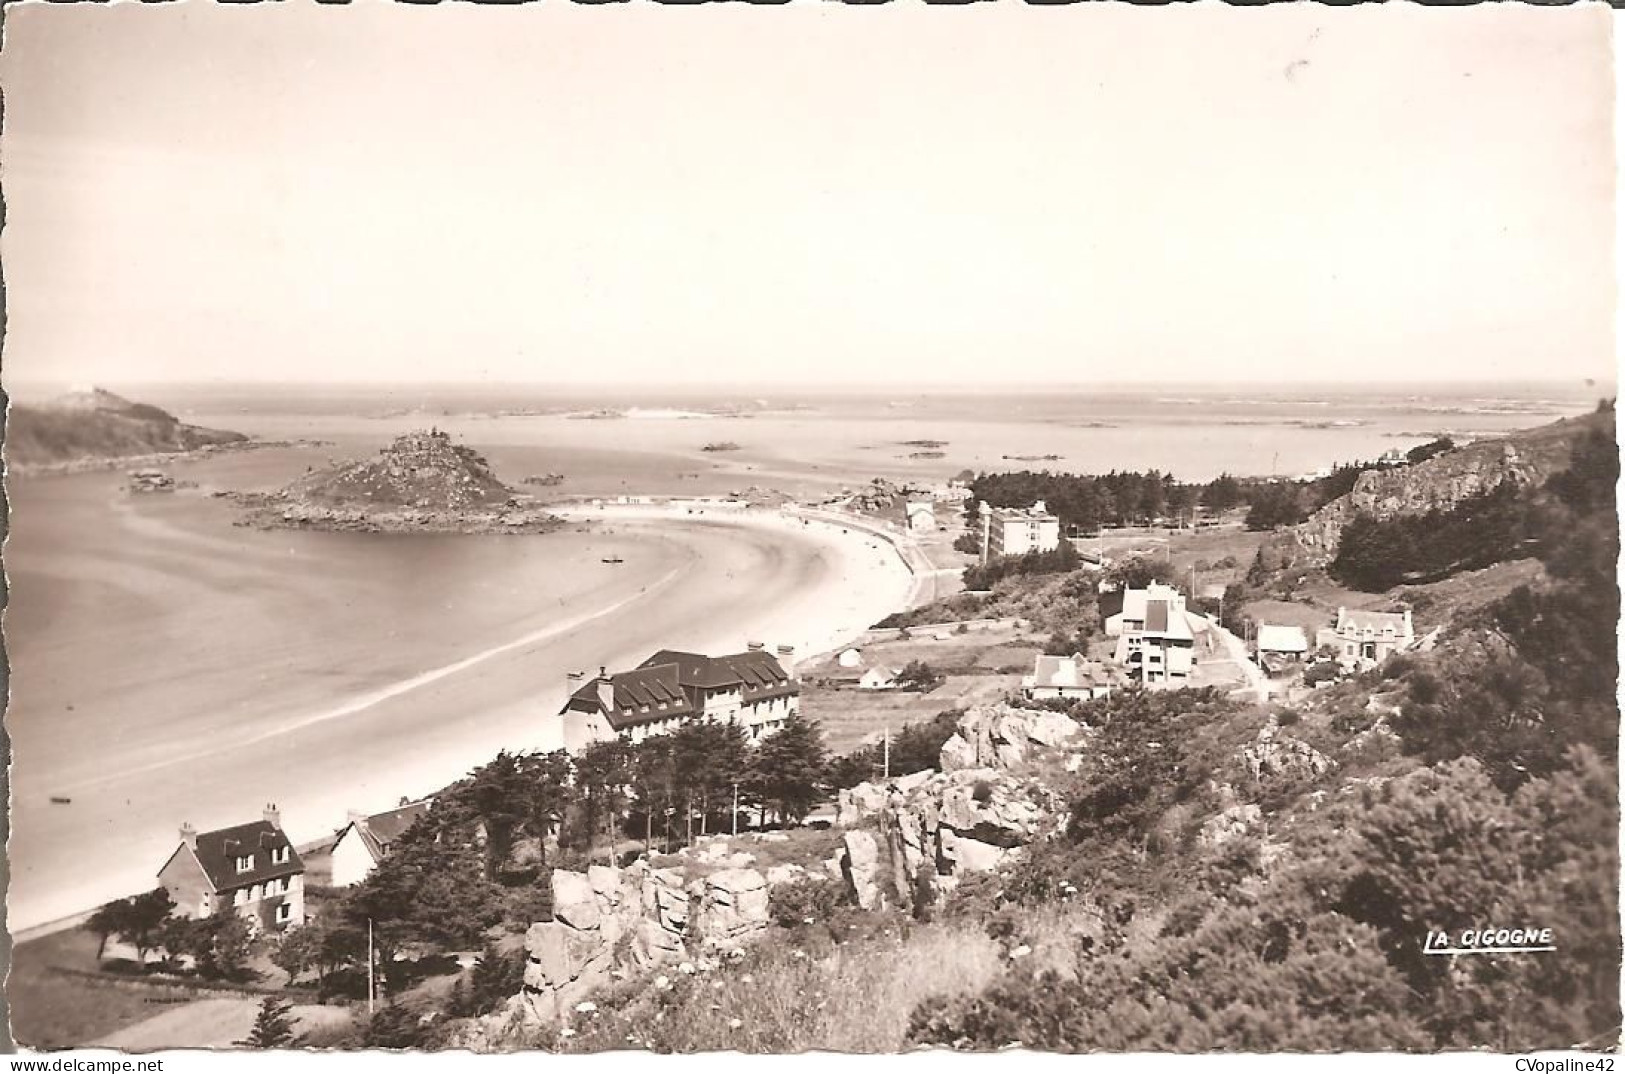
(420, 483)
(95, 429)
(1526, 459)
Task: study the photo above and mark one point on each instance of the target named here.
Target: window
(279, 855)
(284, 913)
(245, 862)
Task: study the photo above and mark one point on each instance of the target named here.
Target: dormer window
(279, 855)
(245, 862)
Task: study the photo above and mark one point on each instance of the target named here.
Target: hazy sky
(567, 193)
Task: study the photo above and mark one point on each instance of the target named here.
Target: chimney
(606, 691)
(787, 656)
(755, 646)
(189, 835)
(273, 816)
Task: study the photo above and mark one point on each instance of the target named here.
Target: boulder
(1273, 756)
(788, 873)
(861, 867)
(1228, 824)
(733, 906)
(956, 753)
(573, 900)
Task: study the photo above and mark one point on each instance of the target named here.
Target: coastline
(426, 729)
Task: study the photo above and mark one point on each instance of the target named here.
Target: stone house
(248, 869)
(1360, 639)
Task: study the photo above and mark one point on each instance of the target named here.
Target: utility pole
(372, 972)
(885, 763)
(987, 528)
(736, 808)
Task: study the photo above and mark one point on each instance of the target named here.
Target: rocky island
(421, 483)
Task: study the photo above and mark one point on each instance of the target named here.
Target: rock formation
(1435, 484)
(1274, 756)
(1000, 736)
(421, 482)
(606, 920)
(921, 842)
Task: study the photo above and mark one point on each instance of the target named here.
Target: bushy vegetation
(1305, 930)
(1049, 602)
(916, 747)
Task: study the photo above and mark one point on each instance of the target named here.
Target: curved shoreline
(424, 730)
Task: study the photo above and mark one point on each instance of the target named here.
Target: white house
(1070, 678)
(1365, 639)
(922, 516)
(1282, 641)
(364, 841)
(878, 678)
(850, 658)
(1156, 636)
(1015, 531)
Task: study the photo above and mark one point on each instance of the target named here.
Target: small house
(878, 678)
(1072, 678)
(365, 840)
(1282, 642)
(922, 516)
(248, 869)
(1361, 639)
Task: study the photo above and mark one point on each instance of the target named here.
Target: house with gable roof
(248, 869)
(672, 688)
(365, 840)
(1361, 639)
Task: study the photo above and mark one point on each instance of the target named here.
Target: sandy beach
(170, 667)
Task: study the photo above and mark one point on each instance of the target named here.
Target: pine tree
(790, 767)
(273, 1027)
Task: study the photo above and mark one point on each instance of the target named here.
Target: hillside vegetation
(100, 425)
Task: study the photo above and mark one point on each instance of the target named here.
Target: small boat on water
(613, 559)
(57, 799)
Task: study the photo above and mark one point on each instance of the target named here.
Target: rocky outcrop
(1274, 756)
(965, 821)
(1438, 483)
(607, 920)
(422, 482)
(1001, 736)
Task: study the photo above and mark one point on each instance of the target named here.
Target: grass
(850, 986)
(851, 718)
(56, 1010)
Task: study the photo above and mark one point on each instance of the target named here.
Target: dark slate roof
(218, 850)
(674, 679)
(378, 831)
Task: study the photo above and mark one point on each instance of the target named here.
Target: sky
(824, 194)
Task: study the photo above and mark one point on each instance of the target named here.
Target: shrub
(809, 899)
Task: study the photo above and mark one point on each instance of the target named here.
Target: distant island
(93, 428)
(420, 483)
(721, 445)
